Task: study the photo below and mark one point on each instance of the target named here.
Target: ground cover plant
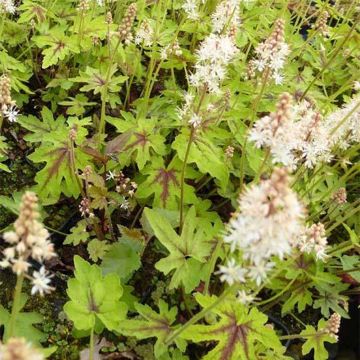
(179, 179)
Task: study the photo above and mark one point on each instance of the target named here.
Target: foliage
(134, 123)
(94, 298)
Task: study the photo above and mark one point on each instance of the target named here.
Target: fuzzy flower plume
(226, 16)
(343, 126)
(7, 104)
(269, 223)
(124, 30)
(29, 240)
(294, 133)
(271, 54)
(314, 240)
(19, 349)
(333, 325)
(214, 55)
(191, 9)
(7, 6)
(145, 34)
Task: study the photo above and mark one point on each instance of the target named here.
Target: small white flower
(7, 6)
(232, 273)
(11, 237)
(41, 281)
(20, 266)
(195, 120)
(110, 175)
(259, 272)
(125, 205)
(244, 298)
(191, 9)
(11, 113)
(356, 85)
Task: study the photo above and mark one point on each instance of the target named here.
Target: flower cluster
(213, 56)
(340, 196)
(333, 325)
(226, 16)
(293, 133)
(7, 6)
(271, 54)
(8, 108)
(314, 240)
(268, 224)
(29, 240)
(191, 9)
(204, 116)
(172, 49)
(321, 24)
(342, 126)
(124, 186)
(145, 34)
(84, 5)
(124, 30)
(19, 349)
(85, 208)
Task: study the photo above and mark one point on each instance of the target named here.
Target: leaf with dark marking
(153, 324)
(240, 333)
(163, 183)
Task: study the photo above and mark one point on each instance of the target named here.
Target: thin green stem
(182, 179)
(277, 295)
(254, 108)
(201, 314)
(333, 57)
(91, 345)
(16, 305)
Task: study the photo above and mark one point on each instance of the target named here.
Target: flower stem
(91, 344)
(16, 305)
(277, 295)
(254, 108)
(201, 314)
(333, 57)
(182, 179)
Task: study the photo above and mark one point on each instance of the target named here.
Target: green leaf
(94, 297)
(300, 297)
(62, 161)
(349, 263)
(330, 298)
(153, 324)
(163, 183)
(24, 324)
(353, 236)
(76, 105)
(98, 81)
(41, 129)
(3, 154)
(122, 259)
(144, 141)
(205, 154)
(56, 45)
(315, 340)
(187, 252)
(78, 234)
(97, 249)
(240, 333)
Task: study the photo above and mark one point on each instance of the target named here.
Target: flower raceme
(226, 16)
(271, 54)
(19, 349)
(214, 55)
(29, 240)
(7, 6)
(296, 132)
(269, 223)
